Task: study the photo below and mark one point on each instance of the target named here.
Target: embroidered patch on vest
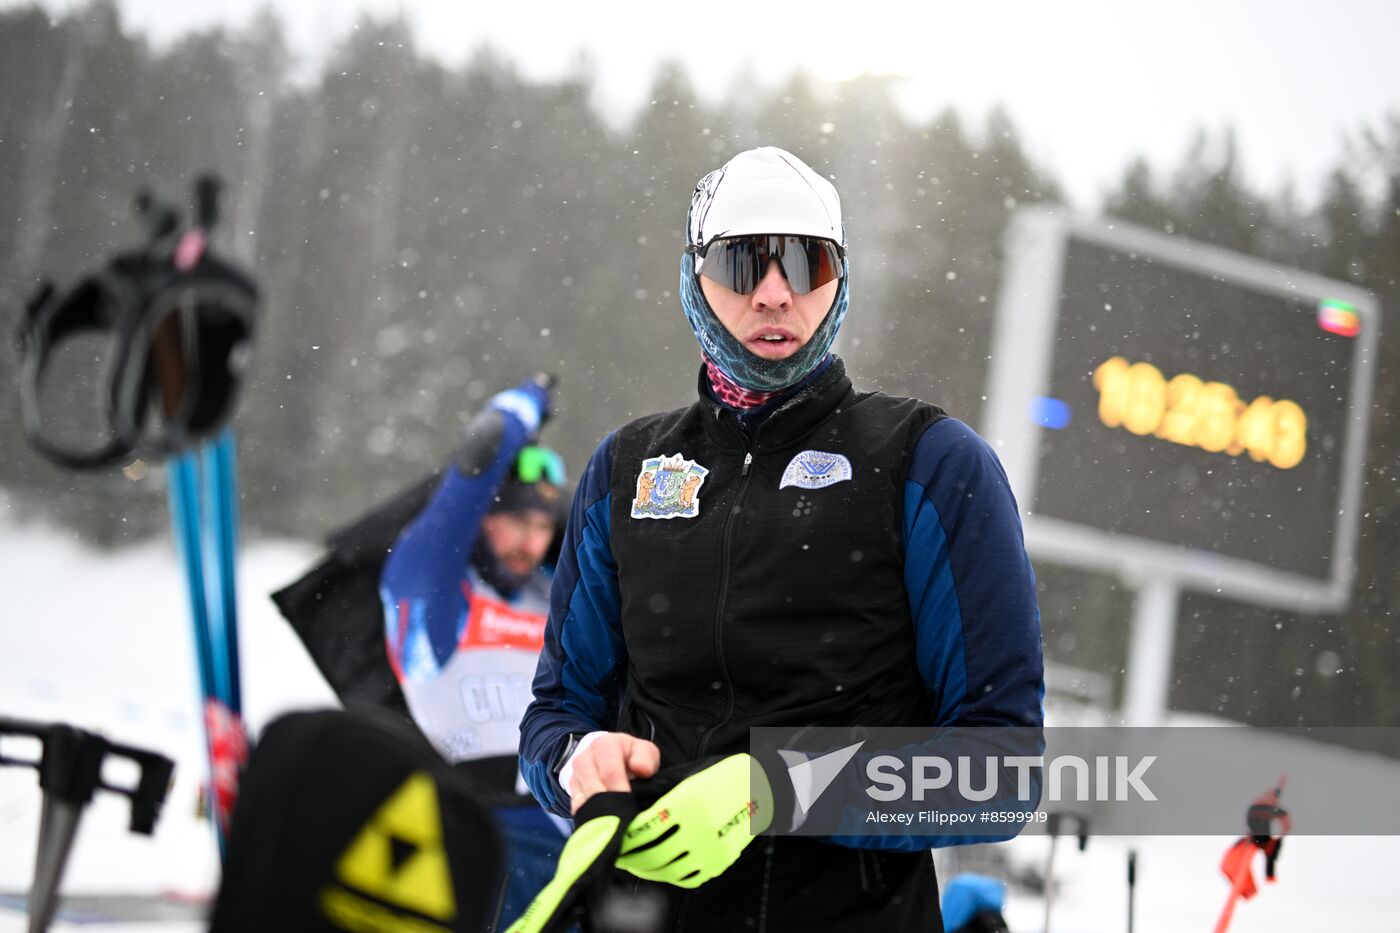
(816, 469)
(668, 487)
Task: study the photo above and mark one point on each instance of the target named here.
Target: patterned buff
(730, 393)
(734, 360)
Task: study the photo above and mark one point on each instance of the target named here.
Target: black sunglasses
(739, 263)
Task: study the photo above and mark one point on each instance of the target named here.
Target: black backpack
(351, 821)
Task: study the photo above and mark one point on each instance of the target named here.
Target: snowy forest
(425, 235)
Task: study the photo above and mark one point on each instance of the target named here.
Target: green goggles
(535, 464)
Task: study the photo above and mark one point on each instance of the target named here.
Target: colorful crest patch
(816, 469)
(668, 487)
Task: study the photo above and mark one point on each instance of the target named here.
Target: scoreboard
(1169, 408)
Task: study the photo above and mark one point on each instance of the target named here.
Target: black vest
(772, 606)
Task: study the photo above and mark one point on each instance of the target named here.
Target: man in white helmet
(785, 552)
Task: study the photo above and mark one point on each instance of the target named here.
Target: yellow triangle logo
(398, 856)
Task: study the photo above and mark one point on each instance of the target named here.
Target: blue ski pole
(203, 515)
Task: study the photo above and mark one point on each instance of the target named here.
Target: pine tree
(1138, 200)
(1211, 201)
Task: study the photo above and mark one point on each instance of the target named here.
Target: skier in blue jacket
(465, 594)
(787, 551)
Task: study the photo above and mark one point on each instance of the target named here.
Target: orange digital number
(1179, 424)
(1109, 379)
(1215, 425)
(1254, 431)
(1290, 435)
(1146, 399)
(1194, 413)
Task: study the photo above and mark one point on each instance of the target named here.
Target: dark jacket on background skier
(845, 558)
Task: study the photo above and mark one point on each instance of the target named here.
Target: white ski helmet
(765, 190)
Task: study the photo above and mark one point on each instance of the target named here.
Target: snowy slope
(99, 640)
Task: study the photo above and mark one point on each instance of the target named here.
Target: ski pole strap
(584, 865)
(177, 321)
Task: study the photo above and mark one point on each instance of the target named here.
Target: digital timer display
(1208, 415)
(1152, 360)
(1177, 404)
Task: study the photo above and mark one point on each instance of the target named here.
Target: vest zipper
(725, 538)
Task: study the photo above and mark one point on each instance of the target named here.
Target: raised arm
(422, 586)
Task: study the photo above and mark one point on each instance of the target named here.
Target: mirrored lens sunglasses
(739, 263)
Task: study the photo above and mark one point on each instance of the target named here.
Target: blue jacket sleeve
(423, 585)
(970, 583)
(578, 683)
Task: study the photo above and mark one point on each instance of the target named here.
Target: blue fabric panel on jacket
(933, 604)
(591, 635)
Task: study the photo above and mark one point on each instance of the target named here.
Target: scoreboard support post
(1151, 648)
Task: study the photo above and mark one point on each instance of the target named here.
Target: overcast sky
(1088, 84)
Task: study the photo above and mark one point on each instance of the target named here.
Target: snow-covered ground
(100, 640)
